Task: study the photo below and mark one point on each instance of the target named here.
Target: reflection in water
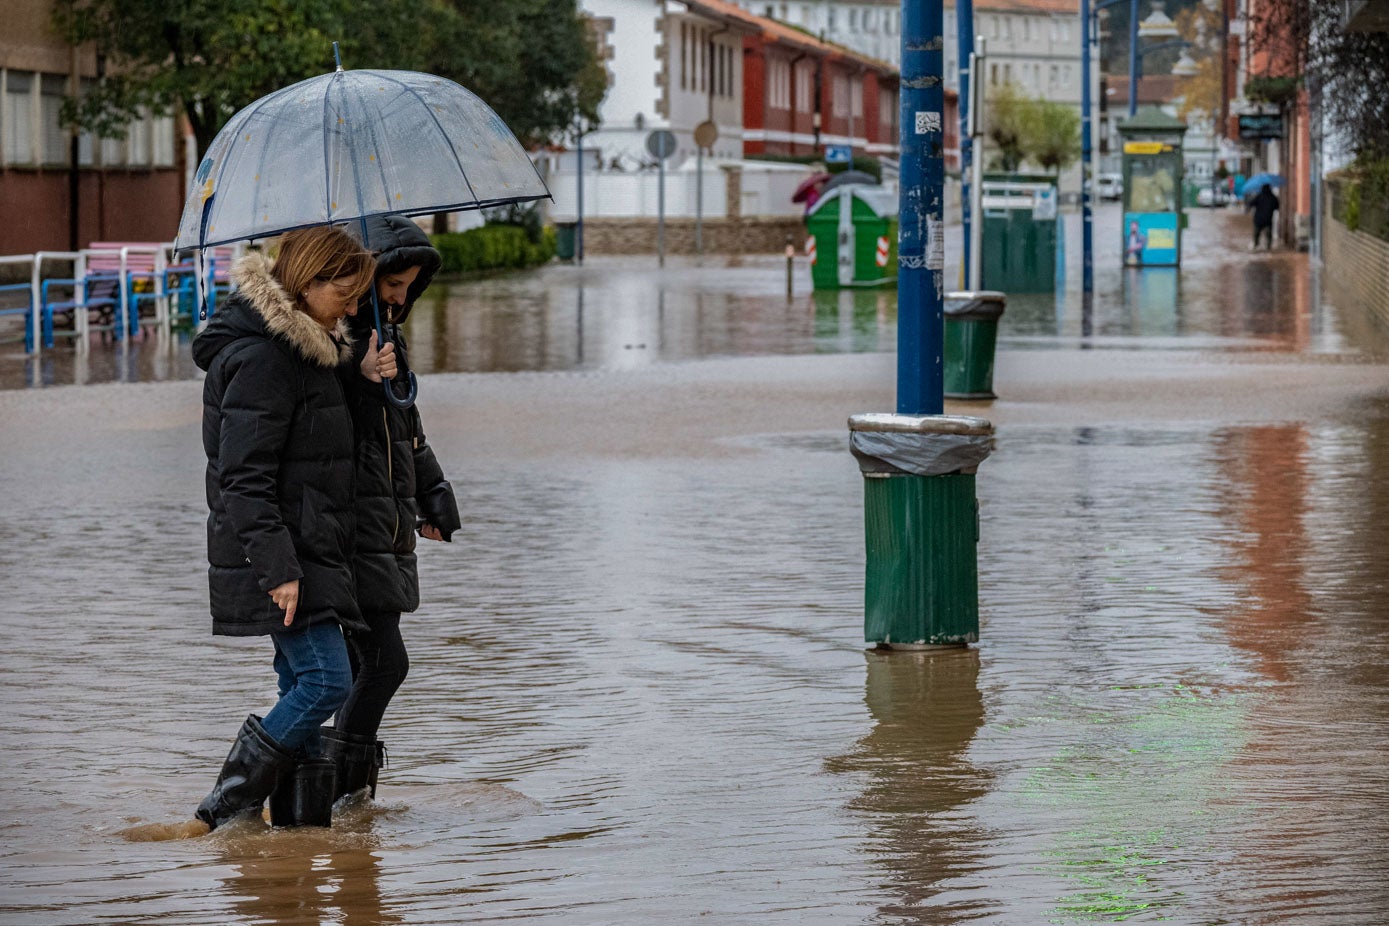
(1266, 503)
(289, 879)
(855, 320)
(1152, 301)
(926, 708)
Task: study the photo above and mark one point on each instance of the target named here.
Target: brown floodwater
(639, 691)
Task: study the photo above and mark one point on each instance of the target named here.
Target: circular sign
(661, 144)
(706, 133)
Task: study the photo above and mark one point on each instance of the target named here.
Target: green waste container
(921, 524)
(971, 336)
(1019, 235)
(853, 230)
(564, 240)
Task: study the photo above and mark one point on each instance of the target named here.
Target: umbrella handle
(409, 399)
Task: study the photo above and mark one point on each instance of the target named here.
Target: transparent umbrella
(350, 144)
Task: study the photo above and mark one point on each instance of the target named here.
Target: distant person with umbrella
(401, 491)
(1264, 204)
(278, 436)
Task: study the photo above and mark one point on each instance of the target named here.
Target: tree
(205, 58)
(1026, 129)
(209, 58)
(1008, 118)
(1304, 44)
(1052, 140)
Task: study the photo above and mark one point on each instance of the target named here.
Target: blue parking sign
(838, 154)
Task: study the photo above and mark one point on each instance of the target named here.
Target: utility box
(853, 230)
(1153, 181)
(1019, 235)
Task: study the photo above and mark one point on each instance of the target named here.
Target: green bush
(1360, 197)
(493, 247)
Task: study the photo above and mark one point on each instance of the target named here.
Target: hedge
(493, 247)
(1360, 197)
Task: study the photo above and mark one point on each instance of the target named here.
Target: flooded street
(639, 691)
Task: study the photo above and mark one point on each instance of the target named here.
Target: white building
(672, 66)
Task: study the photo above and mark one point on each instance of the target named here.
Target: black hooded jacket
(278, 437)
(1264, 205)
(399, 481)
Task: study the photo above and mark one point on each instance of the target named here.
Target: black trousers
(1266, 231)
(379, 667)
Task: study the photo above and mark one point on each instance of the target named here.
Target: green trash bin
(854, 233)
(1019, 235)
(971, 336)
(921, 524)
(564, 240)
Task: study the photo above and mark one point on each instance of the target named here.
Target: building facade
(128, 189)
(670, 66)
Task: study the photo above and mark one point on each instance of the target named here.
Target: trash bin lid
(979, 305)
(920, 424)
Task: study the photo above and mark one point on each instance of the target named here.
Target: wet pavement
(639, 691)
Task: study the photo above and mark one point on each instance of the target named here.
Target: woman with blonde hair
(278, 436)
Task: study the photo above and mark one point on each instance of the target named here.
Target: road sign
(838, 154)
(661, 144)
(1260, 126)
(706, 134)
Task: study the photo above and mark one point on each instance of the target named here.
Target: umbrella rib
(327, 168)
(410, 90)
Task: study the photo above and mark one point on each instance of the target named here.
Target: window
(779, 84)
(138, 143)
(19, 118)
(993, 74)
(853, 20)
(833, 20)
(805, 87)
(1051, 76)
(856, 97)
(163, 141)
(55, 137)
(1065, 32)
(839, 95)
(1007, 28)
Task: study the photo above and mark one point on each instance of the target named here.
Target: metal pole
(921, 260)
(661, 213)
(976, 267)
(1087, 252)
(1133, 58)
(699, 199)
(964, 42)
(579, 225)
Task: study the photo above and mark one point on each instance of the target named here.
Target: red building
(801, 94)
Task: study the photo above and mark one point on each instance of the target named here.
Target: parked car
(1212, 196)
(1109, 186)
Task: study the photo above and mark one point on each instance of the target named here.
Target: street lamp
(1185, 66)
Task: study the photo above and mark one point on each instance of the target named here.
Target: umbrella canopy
(847, 177)
(1251, 186)
(345, 145)
(808, 186)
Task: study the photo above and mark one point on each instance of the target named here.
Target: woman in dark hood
(278, 437)
(401, 491)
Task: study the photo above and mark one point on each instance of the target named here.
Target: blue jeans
(315, 679)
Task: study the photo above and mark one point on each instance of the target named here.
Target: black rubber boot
(358, 759)
(305, 797)
(252, 770)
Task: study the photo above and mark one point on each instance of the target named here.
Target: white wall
(766, 191)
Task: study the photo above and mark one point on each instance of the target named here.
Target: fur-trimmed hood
(261, 307)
